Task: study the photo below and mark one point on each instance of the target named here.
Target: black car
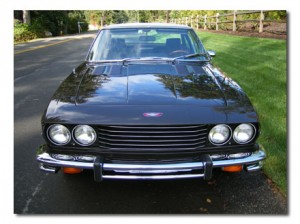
(148, 104)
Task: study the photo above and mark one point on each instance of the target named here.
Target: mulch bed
(252, 34)
(274, 30)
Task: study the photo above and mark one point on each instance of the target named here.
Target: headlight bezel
(228, 138)
(231, 141)
(250, 139)
(80, 143)
(51, 138)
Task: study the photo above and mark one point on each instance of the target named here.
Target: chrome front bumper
(103, 170)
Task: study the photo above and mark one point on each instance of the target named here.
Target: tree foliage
(73, 17)
(63, 22)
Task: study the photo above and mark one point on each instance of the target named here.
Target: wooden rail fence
(215, 21)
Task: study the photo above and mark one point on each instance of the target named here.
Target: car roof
(146, 25)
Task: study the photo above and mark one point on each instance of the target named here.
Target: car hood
(180, 94)
(144, 84)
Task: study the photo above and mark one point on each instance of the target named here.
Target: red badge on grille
(152, 114)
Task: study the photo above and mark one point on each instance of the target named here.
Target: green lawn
(259, 66)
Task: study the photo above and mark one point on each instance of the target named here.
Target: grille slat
(150, 131)
(154, 127)
(152, 137)
(150, 140)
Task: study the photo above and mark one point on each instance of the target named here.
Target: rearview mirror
(147, 38)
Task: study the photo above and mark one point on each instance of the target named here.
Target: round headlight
(219, 134)
(244, 133)
(84, 135)
(59, 134)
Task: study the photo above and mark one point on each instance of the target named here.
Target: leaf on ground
(208, 200)
(203, 209)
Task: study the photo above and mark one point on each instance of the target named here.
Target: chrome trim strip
(154, 177)
(48, 169)
(153, 171)
(159, 171)
(254, 167)
(47, 160)
(253, 158)
(176, 166)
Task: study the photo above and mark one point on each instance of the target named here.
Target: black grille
(152, 137)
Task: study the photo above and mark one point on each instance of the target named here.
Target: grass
(259, 66)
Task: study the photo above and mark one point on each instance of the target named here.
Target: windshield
(124, 43)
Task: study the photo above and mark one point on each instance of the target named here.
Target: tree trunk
(26, 17)
(168, 16)
(65, 25)
(102, 19)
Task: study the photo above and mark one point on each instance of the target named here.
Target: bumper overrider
(195, 169)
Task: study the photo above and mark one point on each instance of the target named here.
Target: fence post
(217, 21)
(261, 19)
(205, 20)
(191, 21)
(186, 21)
(197, 24)
(234, 21)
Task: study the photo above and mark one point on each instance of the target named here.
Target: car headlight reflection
(219, 134)
(59, 134)
(84, 135)
(244, 133)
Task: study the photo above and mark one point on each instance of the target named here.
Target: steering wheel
(178, 52)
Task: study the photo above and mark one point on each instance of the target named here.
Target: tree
(119, 16)
(168, 16)
(50, 20)
(72, 21)
(99, 17)
(133, 15)
(26, 17)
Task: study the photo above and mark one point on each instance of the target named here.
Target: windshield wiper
(146, 59)
(190, 56)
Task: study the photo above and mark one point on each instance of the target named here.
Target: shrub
(73, 26)
(72, 22)
(25, 32)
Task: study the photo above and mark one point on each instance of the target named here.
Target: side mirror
(211, 53)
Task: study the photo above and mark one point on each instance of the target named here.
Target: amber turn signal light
(71, 170)
(233, 169)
